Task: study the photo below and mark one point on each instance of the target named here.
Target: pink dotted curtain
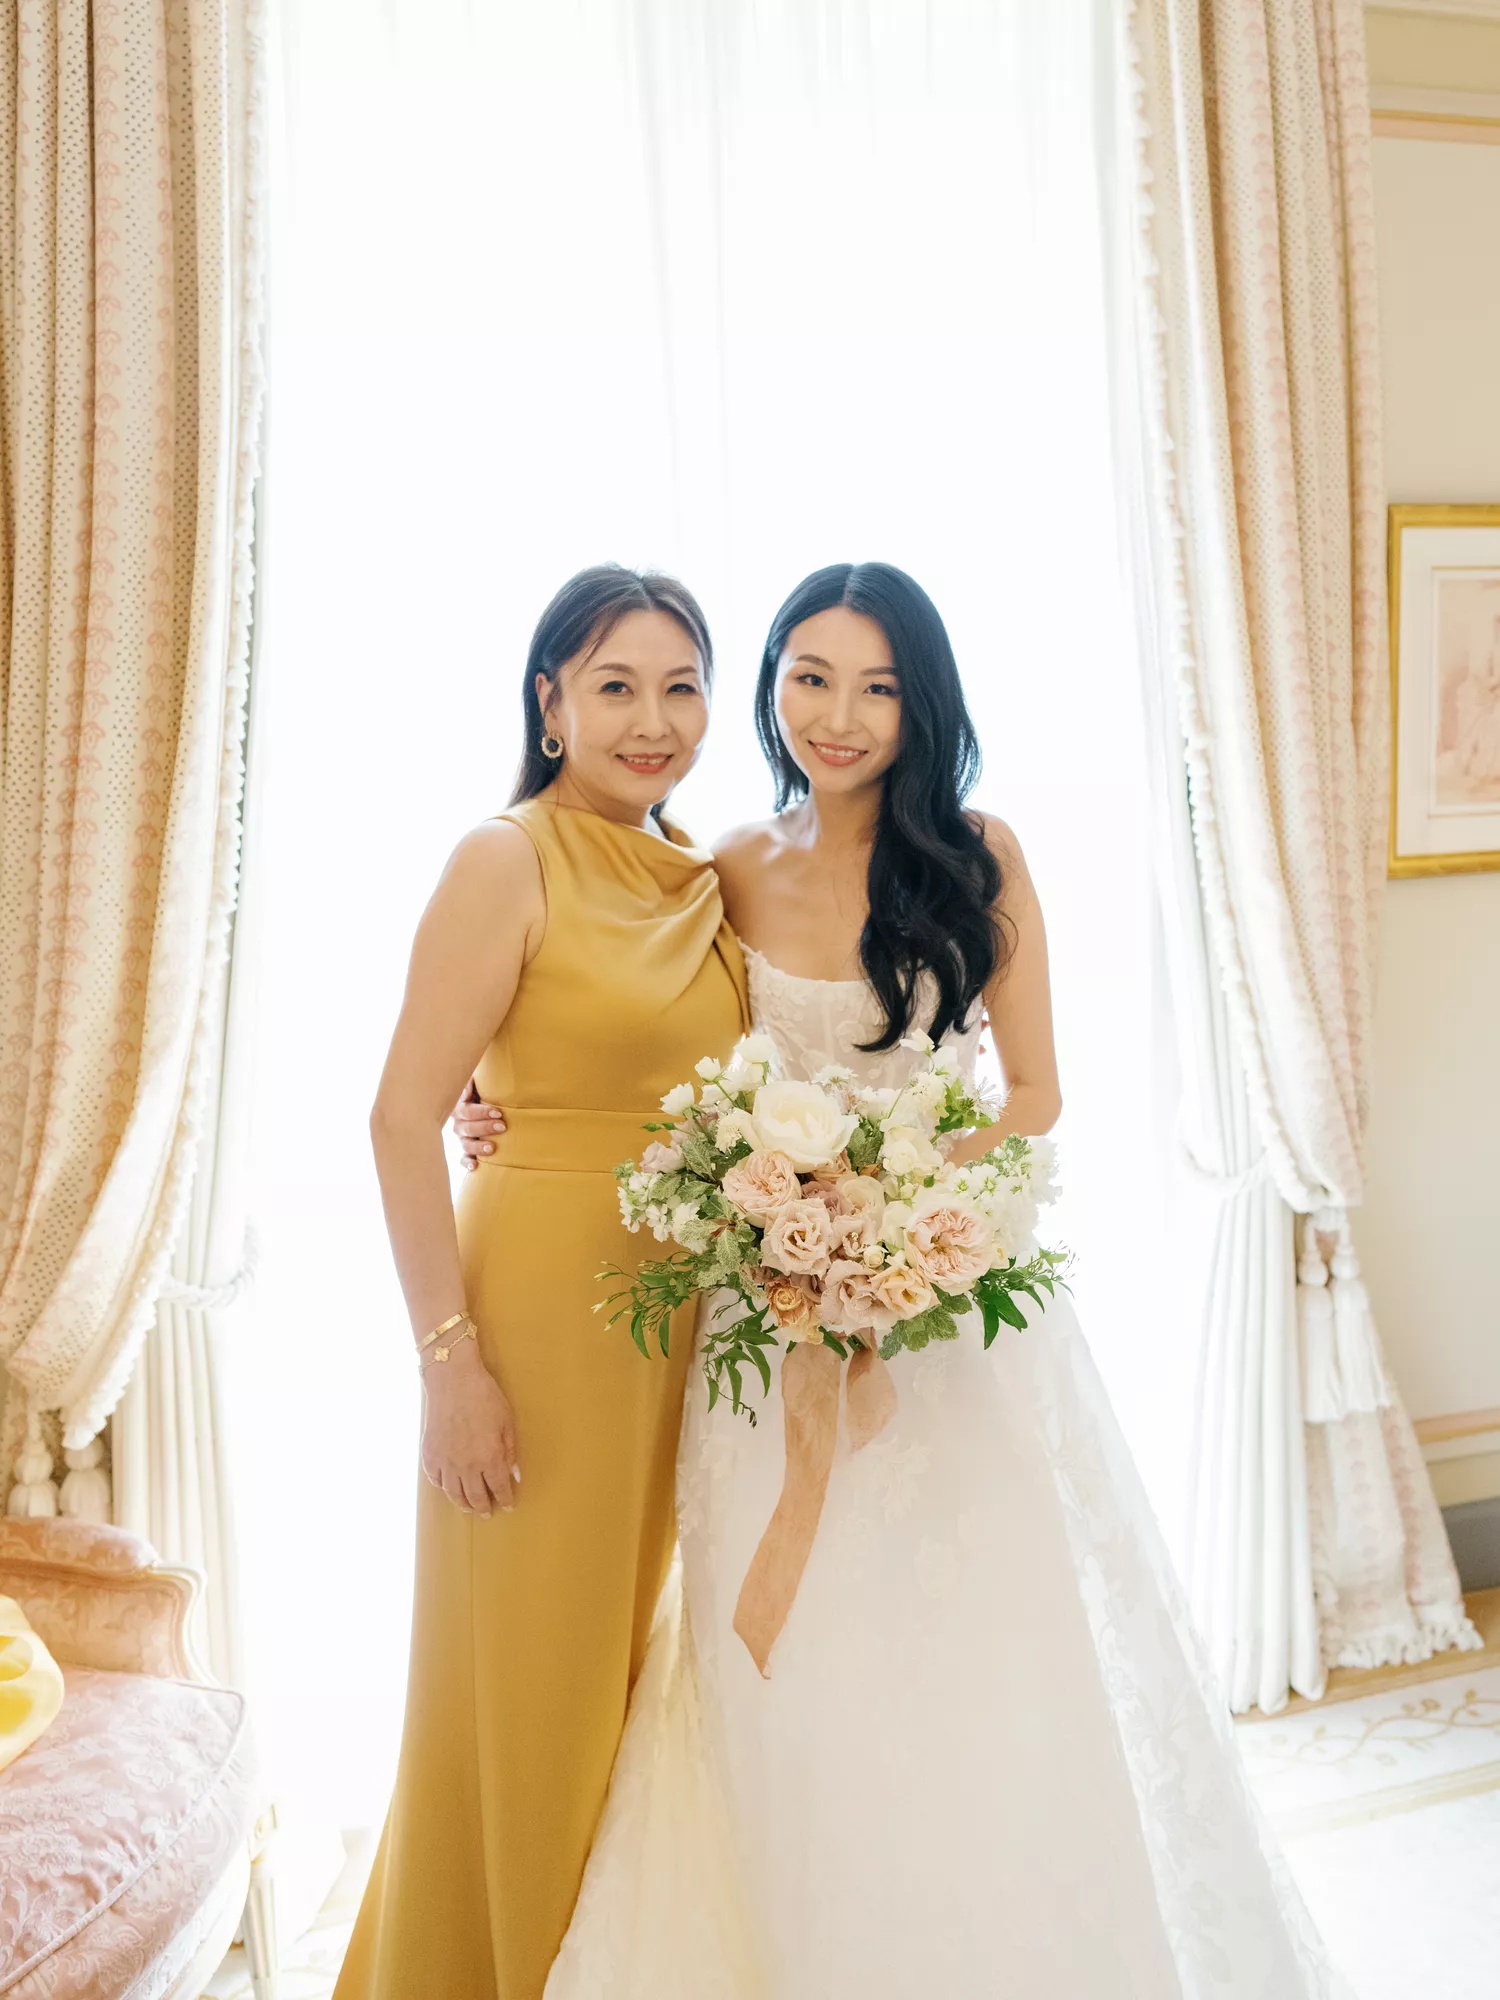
(129, 399)
(1315, 1537)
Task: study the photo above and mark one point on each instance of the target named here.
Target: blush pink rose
(762, 1185)
(826, 1192)
(798, 1239)
(859, 1218)
(849, 1302)
(660, 1158)
(949, 1247)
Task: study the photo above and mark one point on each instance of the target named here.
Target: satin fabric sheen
(31, 1684)
(530, 1628)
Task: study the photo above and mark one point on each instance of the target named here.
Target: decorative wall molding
(1458, 10)
(1443, 131)
(1461, 1424)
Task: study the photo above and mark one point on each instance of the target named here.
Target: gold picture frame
(1443, 559)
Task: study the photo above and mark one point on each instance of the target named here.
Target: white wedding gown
(987, 1764)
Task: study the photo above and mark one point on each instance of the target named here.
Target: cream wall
(1429, 1236)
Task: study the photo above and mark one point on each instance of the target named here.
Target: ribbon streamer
(811, 1377)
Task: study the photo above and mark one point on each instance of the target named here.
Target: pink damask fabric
(96, 1596)
(117, 1831)
(90, 1545)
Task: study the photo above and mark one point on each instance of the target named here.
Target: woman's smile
(835, 753)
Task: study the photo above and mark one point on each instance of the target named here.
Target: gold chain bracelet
(468, 1331)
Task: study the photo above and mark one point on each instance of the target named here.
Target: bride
(986, 1760)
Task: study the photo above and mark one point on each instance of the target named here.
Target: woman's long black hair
(933, 882)
(583, 614)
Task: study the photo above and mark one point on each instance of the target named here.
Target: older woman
(576, 952)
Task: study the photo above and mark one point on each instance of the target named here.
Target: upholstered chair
(128, 1830)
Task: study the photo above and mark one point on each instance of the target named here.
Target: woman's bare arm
(483, 922)
(1019, 1004)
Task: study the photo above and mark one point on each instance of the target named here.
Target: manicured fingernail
(488, 1147)
(515, 1473)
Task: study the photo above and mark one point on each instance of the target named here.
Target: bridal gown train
(987, 1764)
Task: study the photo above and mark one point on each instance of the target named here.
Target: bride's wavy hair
(581, 616)
(933, 882)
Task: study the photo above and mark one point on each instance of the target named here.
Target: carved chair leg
(261, 1948)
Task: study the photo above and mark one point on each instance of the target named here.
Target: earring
(552, 747)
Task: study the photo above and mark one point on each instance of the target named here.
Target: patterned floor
(1388, 1803)
(1389, 1808)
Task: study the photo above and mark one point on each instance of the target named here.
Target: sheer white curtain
(736, 289)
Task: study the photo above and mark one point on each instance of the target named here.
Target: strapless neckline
(795, 978)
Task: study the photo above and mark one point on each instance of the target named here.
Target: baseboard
(1474, 1530)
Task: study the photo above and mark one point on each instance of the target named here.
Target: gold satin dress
(530, 1627)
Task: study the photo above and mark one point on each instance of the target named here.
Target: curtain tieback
(811, 1381)
(215, 1298)
(1342, 1370)
(1227, 1185)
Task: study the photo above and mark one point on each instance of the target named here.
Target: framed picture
(1445, 690)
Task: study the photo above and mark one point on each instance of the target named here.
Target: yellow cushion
(31, 1684)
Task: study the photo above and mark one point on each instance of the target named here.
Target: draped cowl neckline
(671, 881)
(679, 854)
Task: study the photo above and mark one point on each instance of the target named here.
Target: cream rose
(762, 1185)
(901, 1292)
(798, 1239)
(799, 1120)
(950, 1247)
(858, 1229)
(793, 1304)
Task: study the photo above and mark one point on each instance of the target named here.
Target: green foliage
(729, 1349)
(652, 1296)
(864, 1146)
(996, 1291)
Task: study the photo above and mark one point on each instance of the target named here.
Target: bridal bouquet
(831, 1213)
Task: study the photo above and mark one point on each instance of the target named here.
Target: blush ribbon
(811, 1379)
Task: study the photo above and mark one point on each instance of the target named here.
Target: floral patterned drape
(1316, 1538)
(129, 404)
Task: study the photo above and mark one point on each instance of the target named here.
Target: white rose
(709, 1068)
(756, 1049)
(799, 1120)
(908, 1151)
(677, 1100)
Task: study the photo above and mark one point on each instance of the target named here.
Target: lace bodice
(820, 1021)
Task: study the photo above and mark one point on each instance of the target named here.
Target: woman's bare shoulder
(1016, 885)
(495, 857)
(747, 846)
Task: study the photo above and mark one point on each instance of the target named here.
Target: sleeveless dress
(530, 1627)
(988, 1763)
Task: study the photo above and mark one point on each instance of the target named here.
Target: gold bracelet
(438, 1331)
(470, 1332)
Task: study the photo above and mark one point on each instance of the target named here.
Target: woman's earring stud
(551, 747)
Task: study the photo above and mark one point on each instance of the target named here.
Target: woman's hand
(478, 1125)
(469, 1433)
